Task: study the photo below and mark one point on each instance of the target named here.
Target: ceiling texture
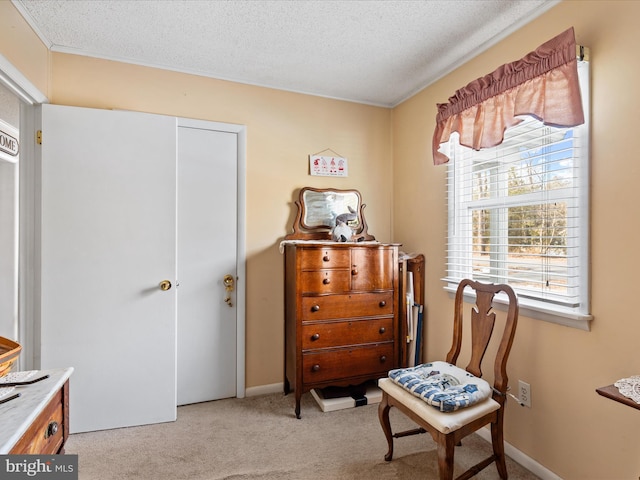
(377, 52)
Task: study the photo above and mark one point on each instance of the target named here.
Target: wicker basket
(9, 353)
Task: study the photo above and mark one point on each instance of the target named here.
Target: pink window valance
(544, 84)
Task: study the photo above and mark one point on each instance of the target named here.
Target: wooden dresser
(37, 422)
(341, 308)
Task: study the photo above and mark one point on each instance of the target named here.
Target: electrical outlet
(524, 393)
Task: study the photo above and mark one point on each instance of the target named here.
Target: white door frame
(29, 200)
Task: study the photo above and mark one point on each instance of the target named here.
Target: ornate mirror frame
(318, 209)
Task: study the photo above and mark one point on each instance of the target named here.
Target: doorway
(126, 260)
(9, 159)
(206, 258)
(29, 332)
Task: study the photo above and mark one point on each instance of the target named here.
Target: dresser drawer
(346, 306)
(352, 332)
(325, 281)
(347, 362)
(316, 258)
(45, 435)
(372, 269)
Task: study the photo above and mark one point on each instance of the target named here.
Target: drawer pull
(316, 368)
(52, 429)
(383, 358)
(382, 330)
(315, 337)
(326, 258)
(315, 308)
(354, 271)
(326, 281)
(382, 304)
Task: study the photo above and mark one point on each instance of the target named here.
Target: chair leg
(446, 449)
(497, 440)
(383, 416)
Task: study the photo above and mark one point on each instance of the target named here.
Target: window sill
(537, 310)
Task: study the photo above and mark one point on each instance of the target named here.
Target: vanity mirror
(320, 209)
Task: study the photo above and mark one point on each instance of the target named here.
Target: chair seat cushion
(445, 422)
(442, 385)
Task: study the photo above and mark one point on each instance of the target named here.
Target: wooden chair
(448, 428)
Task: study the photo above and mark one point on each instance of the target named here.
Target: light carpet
(259, 438)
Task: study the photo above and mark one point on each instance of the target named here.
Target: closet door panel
(108, 238)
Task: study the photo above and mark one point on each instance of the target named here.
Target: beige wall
(282, 130)
(22, 47)
(570, 429)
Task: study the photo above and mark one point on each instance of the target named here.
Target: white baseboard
(264, 389)
(520, 458)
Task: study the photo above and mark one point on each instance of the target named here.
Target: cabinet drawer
(316, 258)
(372, 269)
(45, 435)
(325, 281)
(347, 306)
(347, 362)
(353, 332)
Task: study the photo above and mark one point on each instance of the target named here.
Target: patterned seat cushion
(442, 385)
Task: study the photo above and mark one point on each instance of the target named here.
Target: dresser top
(18, 414)
(332, 244)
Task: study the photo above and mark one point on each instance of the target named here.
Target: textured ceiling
(368, 51)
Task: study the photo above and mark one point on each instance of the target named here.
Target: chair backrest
(482, 323)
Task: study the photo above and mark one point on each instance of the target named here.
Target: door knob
(165, 285)
(228, 282)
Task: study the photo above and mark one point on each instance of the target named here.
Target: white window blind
(518, 212)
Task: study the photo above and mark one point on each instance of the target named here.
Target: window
(518, 214)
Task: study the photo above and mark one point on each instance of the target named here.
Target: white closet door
(108, 238)
(207, 244)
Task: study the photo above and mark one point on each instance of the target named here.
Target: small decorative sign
(324, 166)
(8, 144)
